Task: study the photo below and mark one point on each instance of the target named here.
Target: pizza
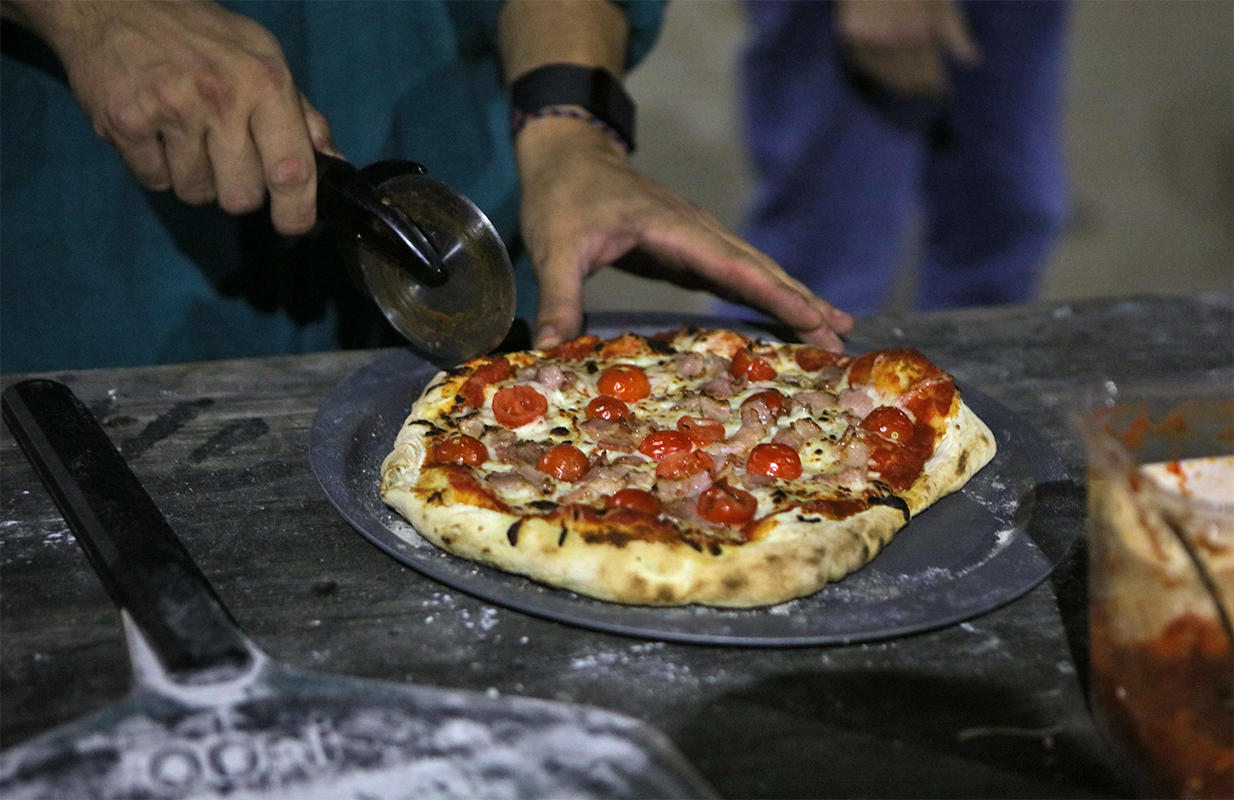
(688, 467)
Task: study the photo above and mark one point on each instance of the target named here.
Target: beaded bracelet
(519, 118)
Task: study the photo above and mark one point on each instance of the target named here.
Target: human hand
(196, 99)
(905, 44)
(585, 208)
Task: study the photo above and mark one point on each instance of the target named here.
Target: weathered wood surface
(991, 707)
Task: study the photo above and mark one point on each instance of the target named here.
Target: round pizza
(692, 466)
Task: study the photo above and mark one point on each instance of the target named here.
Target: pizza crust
(797, 556)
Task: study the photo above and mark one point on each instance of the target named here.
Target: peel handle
(131, 546)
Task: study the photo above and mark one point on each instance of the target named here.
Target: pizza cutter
(432, 261)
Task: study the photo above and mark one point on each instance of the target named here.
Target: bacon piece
(509, 482)
(550, 376)
(807, 428)
(689, 486)
(751, 432)
(688, 364)
(472, 425)
(814, 401)
(722, 386)
(789, 436)
(600, 481)
(857, 402)
(752, 480)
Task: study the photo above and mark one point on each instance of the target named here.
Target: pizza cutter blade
(431, 260)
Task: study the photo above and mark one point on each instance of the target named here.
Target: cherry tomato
(576, 349)
(606, 407)
(702, 431)
(751, 367)
(890, 423)
(459, 450)
(565, 462)
(661, 443)
(625, 382)
(516, 406)
(726, 505)
(493, 371)
(771, 399)
(636, 499)
(684, 463)
(774, 461)
(812, 359)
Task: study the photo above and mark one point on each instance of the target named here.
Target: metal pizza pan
(970, 553)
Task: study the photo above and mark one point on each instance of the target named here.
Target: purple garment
(844, 172)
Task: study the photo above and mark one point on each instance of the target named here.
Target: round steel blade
(472, 311)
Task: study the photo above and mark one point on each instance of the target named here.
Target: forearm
(537, 32)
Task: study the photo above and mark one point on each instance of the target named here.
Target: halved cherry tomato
(565, 462)
(606, 407)
(636, 499)
(625, 382)
(576, 349)
(812, 359)
(890, 423)
(727, 505)
(751, 367)
(684, 463)
(774, 461)
(516, 406)
(661, 443)
(459, 450)
(702, 431)
(493, 371)
(771, 399)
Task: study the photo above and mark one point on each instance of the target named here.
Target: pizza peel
(431, 260)
(210, 715)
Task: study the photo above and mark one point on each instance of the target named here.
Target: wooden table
(992, 707)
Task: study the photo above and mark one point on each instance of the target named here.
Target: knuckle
(289, 173)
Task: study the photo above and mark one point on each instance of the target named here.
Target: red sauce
(1168, 702)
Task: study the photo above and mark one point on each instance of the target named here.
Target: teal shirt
(97, 272)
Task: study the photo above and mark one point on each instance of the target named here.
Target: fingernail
(547, 336)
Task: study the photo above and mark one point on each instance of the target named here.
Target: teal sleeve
(646, 19)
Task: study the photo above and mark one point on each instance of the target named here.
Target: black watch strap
(591, 88)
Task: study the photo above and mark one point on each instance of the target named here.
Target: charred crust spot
(665, 594)
(661, 347)
(591, 367)
(562, 538)
(734, 581)
(962, 462)
(692, 543)
(512, 532)
(560, 430)
(543, 505)
(779, 496)
(446, 540)
(894, 501)
(461, 369)
(804, 518)
(435, 497)
(715, 549)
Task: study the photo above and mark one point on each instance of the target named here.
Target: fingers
(954, 37)
(560, 315)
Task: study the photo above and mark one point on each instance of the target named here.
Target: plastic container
(1161, 578)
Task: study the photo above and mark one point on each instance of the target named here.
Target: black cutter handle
(347, 200)
(127, 540)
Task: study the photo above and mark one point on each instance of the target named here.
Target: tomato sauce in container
(1161, 579)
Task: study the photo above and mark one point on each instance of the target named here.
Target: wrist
(570, 90)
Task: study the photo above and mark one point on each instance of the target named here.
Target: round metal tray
(970, 553)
